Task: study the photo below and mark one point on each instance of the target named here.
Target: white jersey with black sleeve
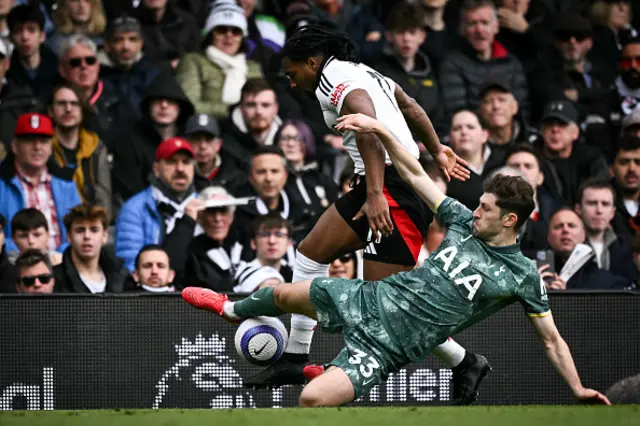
(339, 78)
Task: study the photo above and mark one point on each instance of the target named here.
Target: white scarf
(235, 70)
(630, 97)
(170, 222)
(262, 208)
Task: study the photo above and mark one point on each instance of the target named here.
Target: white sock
(450, 352)
(302, 327)
(227, 308)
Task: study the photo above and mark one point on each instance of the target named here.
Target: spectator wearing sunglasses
(345, 267)
(33, 64)
(123, 62)
(87, 267)
(77, 17)
(80, 68)
(213, 79)
(34, 273)
(570, 72)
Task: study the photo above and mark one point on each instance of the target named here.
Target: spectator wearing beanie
(169, 32)
(213, 79)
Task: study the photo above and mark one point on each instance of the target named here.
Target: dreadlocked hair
(312, 40)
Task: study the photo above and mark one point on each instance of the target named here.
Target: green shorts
(351, 307)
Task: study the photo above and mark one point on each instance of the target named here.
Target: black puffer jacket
(463, 74)
(135, 148)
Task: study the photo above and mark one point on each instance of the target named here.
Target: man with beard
(87, 267)
(596, 207)
(166, 212)
(625, 172)
(153, 273)
(607, 113)
(252, 123)
(124, 64)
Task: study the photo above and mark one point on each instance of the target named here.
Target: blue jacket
(138, 225)
(65, 196)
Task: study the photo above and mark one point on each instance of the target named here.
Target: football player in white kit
(382, 214)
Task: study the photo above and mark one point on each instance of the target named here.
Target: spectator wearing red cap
(165, 110)
(26, 181)
(165, 213)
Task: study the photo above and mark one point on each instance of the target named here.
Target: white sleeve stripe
(245, 270)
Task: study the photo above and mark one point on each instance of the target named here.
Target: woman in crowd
(345, 267)
(77, 17)
(213, 79)
(612, 29)
(296, 140)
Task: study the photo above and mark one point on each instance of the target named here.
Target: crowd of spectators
(148, 145)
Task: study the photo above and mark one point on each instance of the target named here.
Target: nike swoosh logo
(259, 351)
(366, 382)
(252, 297)
(466, 238)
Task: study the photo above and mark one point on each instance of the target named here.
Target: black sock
(466, 362)
(295, 358)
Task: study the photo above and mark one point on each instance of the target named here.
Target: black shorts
(410, 215)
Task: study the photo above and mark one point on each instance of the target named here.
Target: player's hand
(358, 123)
(376, 208)
(590, 396)
(194, 207)
(451, 165)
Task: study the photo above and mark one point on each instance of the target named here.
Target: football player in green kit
(477, 270)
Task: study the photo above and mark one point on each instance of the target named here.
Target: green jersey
(461, 283)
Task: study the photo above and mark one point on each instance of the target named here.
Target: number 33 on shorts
(368, 367)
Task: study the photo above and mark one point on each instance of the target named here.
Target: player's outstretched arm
(408, 167)
(559, 354)
(450, 164)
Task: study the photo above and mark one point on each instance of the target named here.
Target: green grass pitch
(412, 416)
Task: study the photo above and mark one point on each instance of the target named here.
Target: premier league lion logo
(204, 376)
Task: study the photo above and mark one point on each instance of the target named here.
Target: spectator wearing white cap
(214, 255)
(214, 166)
(213, 78)
(15, 99)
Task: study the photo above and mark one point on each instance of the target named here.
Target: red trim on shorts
(409, 231)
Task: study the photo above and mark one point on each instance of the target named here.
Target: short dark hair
(525, 147)
(483, 123)
(253, 86)
(150, 247)
(565, 209)
(25, 13)
(28, 219)
(86, 211)
(627, 143)
(312, 40)
(32, 257)
(267, 149)
(269, 222)
(514, 195)
(405, 16)
(595, 184)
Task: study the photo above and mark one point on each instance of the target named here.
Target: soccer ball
(261, 340)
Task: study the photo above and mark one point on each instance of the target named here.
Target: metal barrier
(155, 351)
